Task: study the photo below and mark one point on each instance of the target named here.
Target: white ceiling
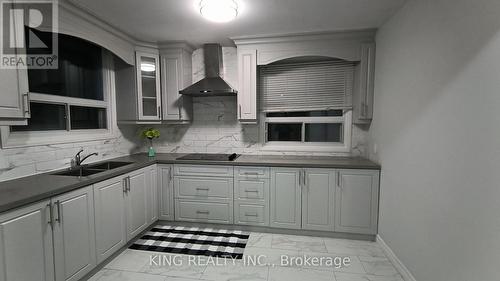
(172, 20)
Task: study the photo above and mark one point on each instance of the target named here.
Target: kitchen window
(307, 106)
(321, 130)
(71, 103)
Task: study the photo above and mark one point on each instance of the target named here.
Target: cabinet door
(26, 251)
(364, 85)
(356, 206)
(136, 203)
(153, 193)
(74, 234)
(166, 192)
(14, 99)
(318, 197)
(285, 198)
(148, 86)
(247, 92)
(175, 76)
(109, 197)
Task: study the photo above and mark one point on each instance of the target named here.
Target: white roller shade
(307, 86)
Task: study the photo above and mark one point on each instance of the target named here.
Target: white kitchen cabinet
(251, 195)
(285, 198)
(148, 86)
(74, 234)
(364, 85)
(152, 193)
(110, 217)
(356, 206)
(247, 81)
(166, 188)
(318, 197)
(176, 68)
(136, 202)
(26, 252)
(14, 98)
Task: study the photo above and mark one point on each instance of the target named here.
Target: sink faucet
(77, 161)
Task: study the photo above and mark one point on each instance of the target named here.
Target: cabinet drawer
(251, 189)
(200, 187)
(216, 212)
(250, 214)
(203, 170)
(252, 172)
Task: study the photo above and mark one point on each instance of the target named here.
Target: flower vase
(151, 151)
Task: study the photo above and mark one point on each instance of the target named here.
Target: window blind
(307, 86)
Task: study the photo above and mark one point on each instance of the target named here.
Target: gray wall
(437, 131)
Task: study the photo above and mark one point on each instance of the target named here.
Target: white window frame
(34, 138)
(287, 146)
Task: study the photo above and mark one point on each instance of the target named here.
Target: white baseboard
(405, 273)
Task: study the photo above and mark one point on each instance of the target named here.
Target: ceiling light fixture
(219, 10)
(148, 67)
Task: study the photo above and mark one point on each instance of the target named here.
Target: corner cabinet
(247, 80)
(356, 204)
(176, 68)
(148, 86)
(138, 91)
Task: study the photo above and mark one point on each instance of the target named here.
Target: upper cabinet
(148, 86)
(352, 46)
(176, 74)
(14, 98)
(364, 85)
(247, 81)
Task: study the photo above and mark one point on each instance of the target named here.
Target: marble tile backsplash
(25, 161)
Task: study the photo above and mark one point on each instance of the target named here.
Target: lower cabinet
(166, 190)
(251, 195)
(356, 204)
(74, 234)
(285, 198)
(123, 209)
(325, 199)
(136, 202)
(203, 193)
(318, 197)
(26, 251)
(110, 217)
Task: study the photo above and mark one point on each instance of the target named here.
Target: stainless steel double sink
(91, 169)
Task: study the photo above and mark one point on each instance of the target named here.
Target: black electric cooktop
(209, 157)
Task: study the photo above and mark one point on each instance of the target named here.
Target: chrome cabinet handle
(27, 105)
(128, 184)
(239, 110)
(251, 173)
(203, 212)
(51, 214)
(300, 178)
(251, 214)
(305, 179)
(203, 188)
(169, 174)
(180, 113)
(338, 180)
(125, 185)
(256, 191)
(159, 112)
(58, 204)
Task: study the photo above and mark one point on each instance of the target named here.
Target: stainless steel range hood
(212, 84)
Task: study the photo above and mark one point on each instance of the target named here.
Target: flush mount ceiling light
(147, 67)
(219, 10)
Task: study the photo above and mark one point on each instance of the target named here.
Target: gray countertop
(22, 191)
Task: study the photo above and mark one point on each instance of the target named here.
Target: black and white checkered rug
(193, 241)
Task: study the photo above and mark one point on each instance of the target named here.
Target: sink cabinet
(27, 246)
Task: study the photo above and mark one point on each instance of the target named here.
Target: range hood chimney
(212, 84)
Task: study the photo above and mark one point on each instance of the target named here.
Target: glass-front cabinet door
(148, 86)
